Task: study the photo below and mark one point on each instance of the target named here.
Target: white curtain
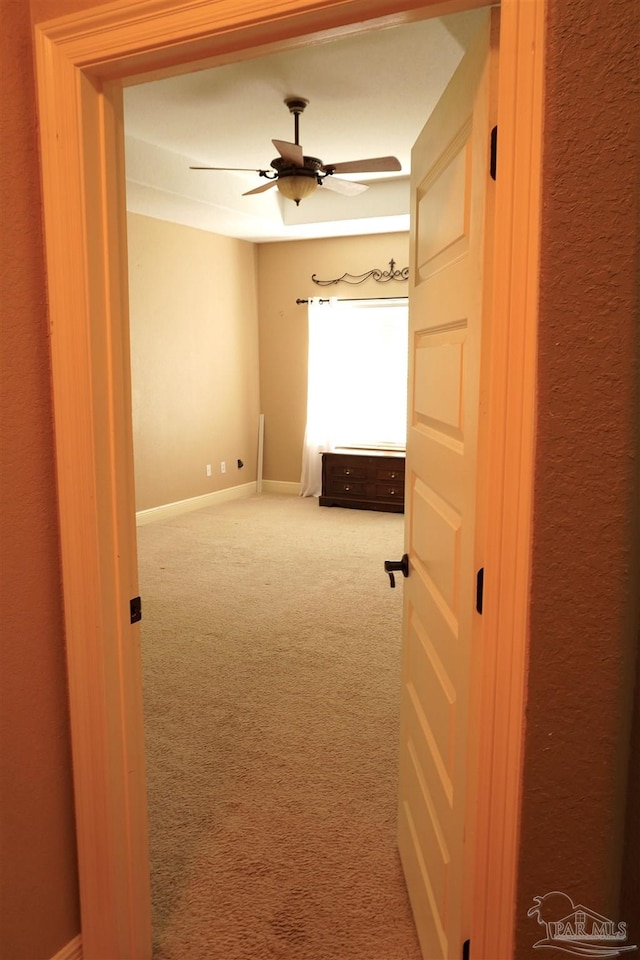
(357, 373)
(321, 399)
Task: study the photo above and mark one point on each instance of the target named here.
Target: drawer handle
(347, 488)
(393, 476)
(347, 472)
(392, 493)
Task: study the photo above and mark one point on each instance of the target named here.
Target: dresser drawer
(349, 468)
(389, 472)
(389, 491)
(344, 486)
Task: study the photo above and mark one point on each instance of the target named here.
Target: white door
(451, 192)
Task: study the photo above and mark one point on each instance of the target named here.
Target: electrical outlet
(223, 467)
(208, 468)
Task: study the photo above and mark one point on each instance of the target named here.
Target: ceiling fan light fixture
(297, 186)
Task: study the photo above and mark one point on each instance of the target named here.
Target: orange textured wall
(585, 564)
(38, 886)
(630, 899)
(583, 569)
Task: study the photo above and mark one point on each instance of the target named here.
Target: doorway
(206, 313)
(82, 173)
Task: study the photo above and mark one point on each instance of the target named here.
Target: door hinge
(135, 607)
(479, 589)
(493, 163)
(466, 950)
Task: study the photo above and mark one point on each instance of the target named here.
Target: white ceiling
(369, 96)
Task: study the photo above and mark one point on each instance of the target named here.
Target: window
(357, 388)
(369, 376)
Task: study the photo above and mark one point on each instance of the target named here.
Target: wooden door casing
(76, 56)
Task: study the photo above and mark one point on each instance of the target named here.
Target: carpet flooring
(271, 661)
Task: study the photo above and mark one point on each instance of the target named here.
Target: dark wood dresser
(366, 480)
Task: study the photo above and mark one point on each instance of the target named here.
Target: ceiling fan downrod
(296, 107)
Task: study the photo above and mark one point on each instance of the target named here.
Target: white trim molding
(281, 486)
(72, 951)
(168, 510)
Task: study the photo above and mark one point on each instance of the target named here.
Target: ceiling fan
(297, 176)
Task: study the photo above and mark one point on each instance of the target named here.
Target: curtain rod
(353, 299)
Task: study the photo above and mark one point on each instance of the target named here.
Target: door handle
(402, 565)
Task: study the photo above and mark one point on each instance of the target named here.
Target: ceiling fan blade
(261, 189)
(243, 169)
(373, 165)
(347, 188)
(291, 152)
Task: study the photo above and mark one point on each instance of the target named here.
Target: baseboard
(281, 486)
(72, 951)
(168, 510)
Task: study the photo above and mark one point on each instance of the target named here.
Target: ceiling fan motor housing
(310, 169)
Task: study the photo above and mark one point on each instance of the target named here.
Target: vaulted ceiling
(369, 96)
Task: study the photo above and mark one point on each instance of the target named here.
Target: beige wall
(202, 368)
(194, 360)
(284, 275)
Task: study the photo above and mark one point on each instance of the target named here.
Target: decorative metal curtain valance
(380, 276)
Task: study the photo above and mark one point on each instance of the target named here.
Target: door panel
(442, 239)
(450, 191)
(438, 384)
